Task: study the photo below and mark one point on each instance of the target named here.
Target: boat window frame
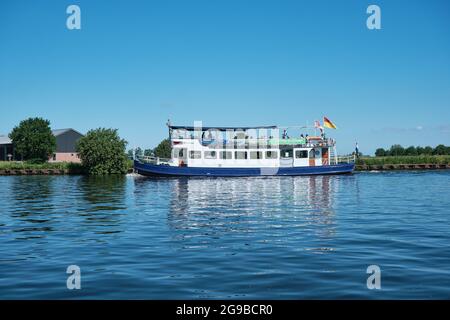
(227, 152)
(209, 157)
(304, 151)
(191, 152)
(289, 151)
(241, 151)
(260, 157)
(176, 153)
(272, 151)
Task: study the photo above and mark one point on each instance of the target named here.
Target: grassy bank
(422, 159)
(19, 165)
(75, 168)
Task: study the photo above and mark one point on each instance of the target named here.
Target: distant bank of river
(362, 164)
(52, 168)
(421, 162)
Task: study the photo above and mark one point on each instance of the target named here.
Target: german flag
(328, 124)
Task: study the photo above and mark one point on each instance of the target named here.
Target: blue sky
(134, 64)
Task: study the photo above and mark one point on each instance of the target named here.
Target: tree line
(398, 150)
(162, 150)
(101, 150)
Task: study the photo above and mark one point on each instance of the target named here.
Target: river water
(223, 238)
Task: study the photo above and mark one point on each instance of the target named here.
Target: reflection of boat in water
(209, 208)
(309, 193)
(241, 214)
(245, 151)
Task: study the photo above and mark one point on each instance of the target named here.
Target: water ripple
(250, 238)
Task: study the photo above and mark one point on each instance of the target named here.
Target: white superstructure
(255, 147)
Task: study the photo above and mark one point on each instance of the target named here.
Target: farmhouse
(6, 148)
(66, 140)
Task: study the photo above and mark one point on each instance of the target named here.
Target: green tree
(419, 150)
(428, 150)
(148, 152)
(440, 150)
(33, 139)
(396, 150)
(130, 154)
(164, 149)
(411, 151)
(138, 152)
(380, 152)
(102, 151)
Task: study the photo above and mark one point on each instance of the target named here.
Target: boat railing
(265, 143)
(153, 160)
(343, 159)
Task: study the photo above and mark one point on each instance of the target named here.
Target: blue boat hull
(165, 170)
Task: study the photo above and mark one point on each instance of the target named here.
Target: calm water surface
(246, 238)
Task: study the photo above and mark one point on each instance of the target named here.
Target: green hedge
(422, 159)
(19, 165)
(75, 167)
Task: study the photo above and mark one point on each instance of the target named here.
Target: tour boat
(245, 151)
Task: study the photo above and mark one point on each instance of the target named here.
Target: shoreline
(401, 167)
(44, 172)
(358, 168)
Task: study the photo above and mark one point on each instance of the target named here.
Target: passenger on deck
(302, 139)
(322, 134)
(285, 135)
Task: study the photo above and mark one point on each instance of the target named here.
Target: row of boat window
(238, 155)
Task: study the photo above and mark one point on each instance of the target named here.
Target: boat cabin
(247, 147)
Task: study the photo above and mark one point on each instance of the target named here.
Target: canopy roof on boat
(190, 128)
